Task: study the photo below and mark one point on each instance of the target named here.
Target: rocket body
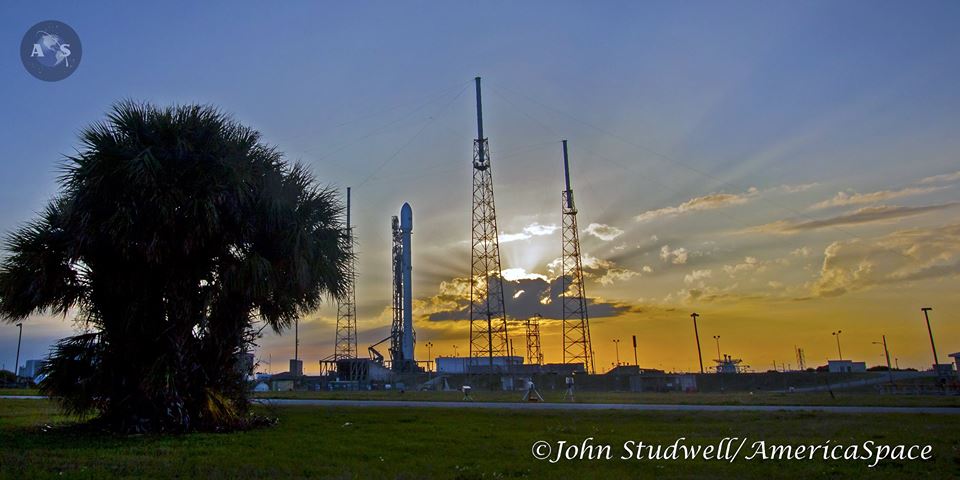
(406, 228)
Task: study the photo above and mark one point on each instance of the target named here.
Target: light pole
(887, 354)
(429, 346)
(717, 338)
(616, 343)
(697, 335)
(837, 334)
(16, 364)
(936, 361)
(455, 354)
(635, 361)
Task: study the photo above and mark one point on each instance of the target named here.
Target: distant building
(476, 364)
(846, 366)
(296, 367)
(30, 369)
(245, 363)
(956, 359)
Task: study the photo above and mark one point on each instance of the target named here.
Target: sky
(784, 169)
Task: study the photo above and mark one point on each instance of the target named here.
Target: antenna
(345, 344)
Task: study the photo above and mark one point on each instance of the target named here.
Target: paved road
(612, 406)
(640, 407)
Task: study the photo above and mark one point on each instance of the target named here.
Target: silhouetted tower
(801, 359)
(346, 338)
(576, 321)
(534, 354)
(488, 318)
(396, 329)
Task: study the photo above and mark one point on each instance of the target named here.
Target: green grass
(738, 398)
(465, 444)
(19, 391)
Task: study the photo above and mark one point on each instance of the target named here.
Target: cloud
(697, 204)
(603, 232)
(842, 199)
(605, 271)
(945, 178)
(677, 256)
(523, 298)
(749, 264)
(697, 276)
(802, 252)
(533, 230)
(718, 200)
(899, 257)
(880, 213)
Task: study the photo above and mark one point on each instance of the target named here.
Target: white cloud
(533, 230)
(706, 202)
(513, 274)
(677, 256)
(697, 276)
(843, 198)
(945, 178)
(901, 256)
(603, 232)
(802, 252)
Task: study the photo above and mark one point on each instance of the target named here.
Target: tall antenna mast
(488, 319)
(576, 321)
(346, 337)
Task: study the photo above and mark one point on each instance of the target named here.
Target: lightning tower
(576, 321)
(346, 337)
(488, 319)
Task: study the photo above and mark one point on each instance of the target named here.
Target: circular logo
(51, 51)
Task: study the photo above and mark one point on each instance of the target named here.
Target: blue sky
(663, 103)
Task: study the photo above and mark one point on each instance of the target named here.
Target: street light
(697, 335)
(616, 343)
(429, 346)
(936, 361)
(455, 354)
(837, 334)
(717, 338)
(16, 364)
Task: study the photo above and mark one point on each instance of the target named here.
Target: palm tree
(176, 235)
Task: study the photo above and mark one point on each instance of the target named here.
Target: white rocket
(406, 228)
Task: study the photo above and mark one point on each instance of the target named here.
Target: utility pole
(887, 354)
(635, 360)
(837, 334)
(616, 343)
(16, 364)
(936, 361)
(696, 333)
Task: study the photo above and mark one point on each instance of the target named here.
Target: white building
(465, 364)
(846, 366)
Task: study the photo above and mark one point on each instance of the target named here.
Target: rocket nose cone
(406, 216)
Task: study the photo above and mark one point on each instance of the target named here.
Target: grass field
(464, 444)
(737, 398)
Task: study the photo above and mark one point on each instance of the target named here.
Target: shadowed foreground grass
(440, 443)
(733, 398)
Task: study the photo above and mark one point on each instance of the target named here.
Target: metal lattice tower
(396, 329)
(488, 319)
(346, 338)
(576, 321)
(534, 354)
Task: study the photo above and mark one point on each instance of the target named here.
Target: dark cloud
(524, 299)
(863, 215)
